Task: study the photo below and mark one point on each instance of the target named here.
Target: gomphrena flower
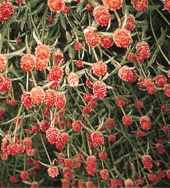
(6, 10)
(101, 15)
(130, 22)
(3, 63)
(43, 52)
(104, 174)
(77, 46)
(51, 135)
(127, 120)
(147, 162)
(77, 125)
(5, 84)
(55, 74)
(142, 51)
(41, 65)
(106, 41)
(49, 98)
(26, 100)
(140, 5)
(73, 79)
(37, 95)
(91, 36)
(56, 5)
(58, 57)
(145, 122)
(27, 62)
(122, 38)
(128, 183)
(113, 4)
(99, 89)
(24, 175)
(127, 74)
(160, 80)
(166, 5)
(99, 68)
(53, 171)
(96, 138)
(60, 100)
(91, 165)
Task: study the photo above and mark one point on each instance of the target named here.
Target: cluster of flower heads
(84, 101)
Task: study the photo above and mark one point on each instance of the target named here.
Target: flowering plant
(84, 93)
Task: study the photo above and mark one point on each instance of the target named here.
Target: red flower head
(142, 51)
(58, 57)
(55, 74)
(145, 122)
(60, 100)
(66, 9)
(68, 163)
(160, 80)
(166, 5)
(42, 52)
(73, 79)
(122, 38)
(6, 10)
(37, 95)
(101, 15)
(24, 175)
(127, 120)
(139, 104)
(51, 135)
(147, 162)
(56, 5)
(91, 165)
(79, 64)
(99, 89)
(3, 63)
(41, 65)
(106, 41)
(27, 143)
(109, 123)
(97, 139)
(26, 100)
(89, 7)
(103, 155)
(99, 68)
(104, 174)
(115, 183)
(120, 102)
(149, 85)
(113, 4)
(62, 139)
(13, 179)
(67, 173)
(27, 62)
(128, 183)
(167, 90)
(77, 46)
(127, 74)
(132, 57)
(53, 171)
(140, 5)
(130, 22)
(153, 178)
(5, 84)
(77, 125)
(44, 125)
(49, 98)
(91, 36)
(168, 174)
